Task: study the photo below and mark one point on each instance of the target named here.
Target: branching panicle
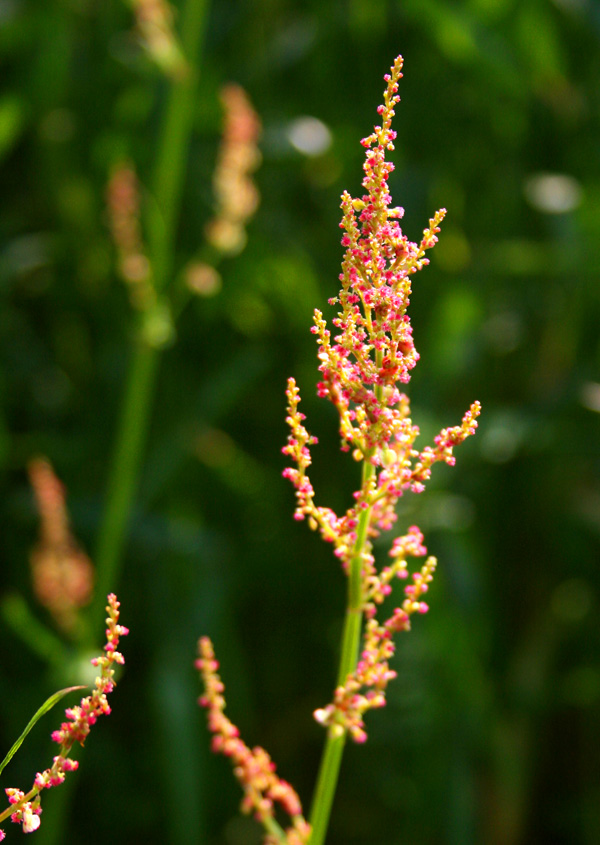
(362, 368)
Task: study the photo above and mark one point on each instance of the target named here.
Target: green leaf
(46, 706)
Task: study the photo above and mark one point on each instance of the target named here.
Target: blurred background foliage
(492, 728)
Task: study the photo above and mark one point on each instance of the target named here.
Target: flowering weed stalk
(25, 808)
(155, 328)
(361, 368)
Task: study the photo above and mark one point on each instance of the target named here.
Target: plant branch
(171, 160)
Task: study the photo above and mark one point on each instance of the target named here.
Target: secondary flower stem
(174, 141)
(336, 739)
(171, 159)
(126, 463)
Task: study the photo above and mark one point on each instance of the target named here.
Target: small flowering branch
(25, 808)
(254, 769)
(235, 192)
(365, 687)
(124, 218)
(236, 195)
(361, 368)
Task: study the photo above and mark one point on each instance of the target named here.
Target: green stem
(124, 472)
(173, 146)
(171, 160)
(326, 786)
(41, 640)
(274, 829)
(334, 746)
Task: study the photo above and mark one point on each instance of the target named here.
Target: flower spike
(25, 808)
(364, 364)
(364, 367)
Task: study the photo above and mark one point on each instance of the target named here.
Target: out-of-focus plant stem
(171, 160)
(334, 746)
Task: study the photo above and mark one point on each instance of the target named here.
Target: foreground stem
(336, 736)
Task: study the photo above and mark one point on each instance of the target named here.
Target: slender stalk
(124, 473)
(41, 640)
(171, 159)
(326, 786)
(173, 145)
(275, 830)
(334, 746)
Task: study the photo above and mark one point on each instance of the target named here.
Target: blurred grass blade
(12, 121)
(40, 639)
(46, 706)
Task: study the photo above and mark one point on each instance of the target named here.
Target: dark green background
(492, 729)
